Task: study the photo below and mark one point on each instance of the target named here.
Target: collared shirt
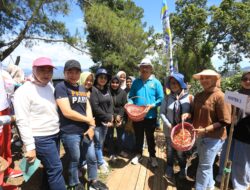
(167, 111)
(149, 92)
(210, 108)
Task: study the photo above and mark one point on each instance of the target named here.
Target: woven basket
(134, 112)
(180, 141)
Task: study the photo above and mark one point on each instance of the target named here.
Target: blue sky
(152, 9)
(152, 12)
(60, 53)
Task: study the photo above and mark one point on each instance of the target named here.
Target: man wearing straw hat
(148, 87)
(211, 115)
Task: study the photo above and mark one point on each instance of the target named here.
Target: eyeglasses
(245, 79)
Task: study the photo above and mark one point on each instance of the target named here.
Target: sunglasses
(245, 79)
(174, 83)
(103, 77)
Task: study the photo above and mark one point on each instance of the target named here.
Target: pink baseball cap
(43, 61)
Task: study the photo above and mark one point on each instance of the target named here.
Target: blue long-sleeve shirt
(150, 92)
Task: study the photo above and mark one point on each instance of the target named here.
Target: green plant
(231, 83)
(195, 87)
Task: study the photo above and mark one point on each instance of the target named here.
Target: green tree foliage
(33, 20)
(195, 87)
(201, 31)
(185, 62)
(231, 83)
(157, 50)
(116, 39)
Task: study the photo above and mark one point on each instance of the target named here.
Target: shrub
(231, 83)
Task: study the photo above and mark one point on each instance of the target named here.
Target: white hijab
(123, 83)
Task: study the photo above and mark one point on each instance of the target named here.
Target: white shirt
(36, 112)
(3, 95)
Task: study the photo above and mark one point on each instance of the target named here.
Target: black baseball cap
(72, 64)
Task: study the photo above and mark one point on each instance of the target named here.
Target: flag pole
(168, 34)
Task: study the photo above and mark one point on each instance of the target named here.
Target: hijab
(84, 76)
(123, 83)
(115, 91)
(240, 113)
(34, 78)
(243, 90)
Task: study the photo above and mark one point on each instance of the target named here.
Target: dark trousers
(47, 150)
(171, 155)
(147, 126)
(114, 147)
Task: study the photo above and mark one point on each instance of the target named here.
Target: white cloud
(58, 52)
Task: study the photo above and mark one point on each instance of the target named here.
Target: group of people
(84, 110)
(78, 112)
(211, 118)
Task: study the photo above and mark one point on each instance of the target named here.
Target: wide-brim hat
(206, 72)
(179, 78)
(146, 62)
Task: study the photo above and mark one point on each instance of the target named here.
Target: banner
(167, 33)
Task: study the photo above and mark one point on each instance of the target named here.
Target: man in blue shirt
(151, 91)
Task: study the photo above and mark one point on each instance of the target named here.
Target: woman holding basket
(211, 115)
(175, 108)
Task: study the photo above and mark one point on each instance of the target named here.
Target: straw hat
(206, 72)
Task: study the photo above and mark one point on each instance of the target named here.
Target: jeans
(100, 135)
(78, 151)
(47, 150)
(207, 151)
(223, 156)
(147, 126)
(241, 165)
(114, 147)
(90, 157)
(170, 158)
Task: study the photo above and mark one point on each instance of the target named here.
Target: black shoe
(97, 185)
(170, 180)
(124, 154)
(79, 186)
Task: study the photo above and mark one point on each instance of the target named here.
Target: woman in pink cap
(38, 122)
